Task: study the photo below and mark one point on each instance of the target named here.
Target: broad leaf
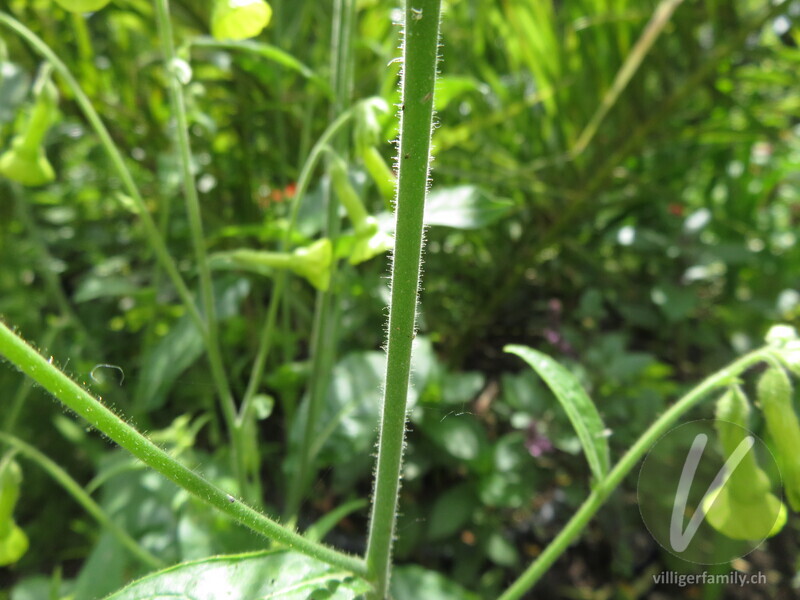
(273, 574)
(577, 404)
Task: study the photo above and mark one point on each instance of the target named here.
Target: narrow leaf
(577, 404)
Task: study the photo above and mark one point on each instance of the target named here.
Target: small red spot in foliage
(676, 209)
(286, 193)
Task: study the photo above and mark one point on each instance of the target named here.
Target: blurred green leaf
(464, 207)
(450, 87)
(460, 435)
(413, 583)
(182, 346)
(450, 512)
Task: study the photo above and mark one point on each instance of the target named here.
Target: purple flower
(536, 442)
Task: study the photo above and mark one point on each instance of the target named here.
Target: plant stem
(85, 500)
(303, 182)
(323, 334)
(266, 338)
(26, 386)
(30, 362)
(603, 490)
(198, 241)
(419, 75)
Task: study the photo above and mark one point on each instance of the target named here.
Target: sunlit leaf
(239, 19)
(277, 574)
(464, 207)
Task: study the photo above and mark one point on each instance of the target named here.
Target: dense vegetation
(615, 183)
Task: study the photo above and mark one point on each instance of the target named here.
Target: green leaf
(581, 411)
(500, 551)
(451, 87)
(329, 520)
(273, 574)
(352, 408)
(94, 287)
(451, 511)
(413, 582)
(13, 541)
(268, 52)
(239, 19)
(460, 435)
(182, 346)
(464, 207)
(82, 6)
(13, 545)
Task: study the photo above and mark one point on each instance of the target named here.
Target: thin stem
(85, 50)
(419, 75)
(276, 299)
(74, 397)
(303, 183)
(323, 334)
(264, 346)
(85, 500)
(604, 489)
(151, 231)
(652, 30)
(257, 372)
(198, 238)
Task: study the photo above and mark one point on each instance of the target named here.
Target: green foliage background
(646, 260)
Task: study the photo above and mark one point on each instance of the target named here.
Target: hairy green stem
(198, 240)
(30, 362)
(604, 488)
(419, 75)
(26, 386)
(85, 500)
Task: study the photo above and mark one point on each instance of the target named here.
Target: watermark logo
(685, 485)
(736, 578)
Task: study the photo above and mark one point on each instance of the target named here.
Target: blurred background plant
(632, 209)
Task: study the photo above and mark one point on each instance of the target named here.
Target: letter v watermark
(679, 539)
